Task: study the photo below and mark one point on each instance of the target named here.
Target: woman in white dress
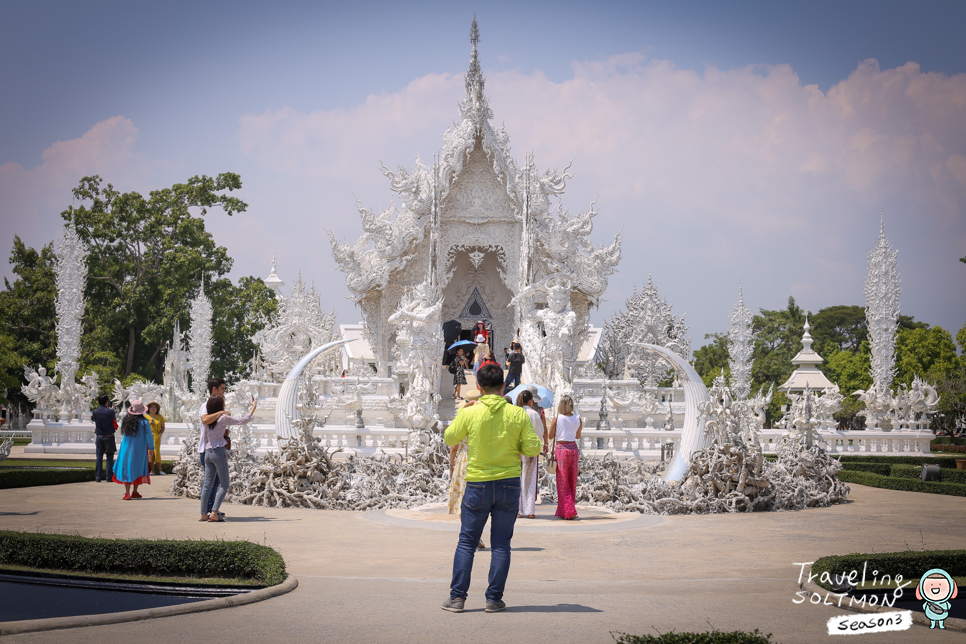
(530, 464)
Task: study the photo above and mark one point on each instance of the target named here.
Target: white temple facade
(486, 233)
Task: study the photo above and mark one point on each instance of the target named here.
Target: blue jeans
(104, 446)
(510, 379)
(497, 499)
(214, 485)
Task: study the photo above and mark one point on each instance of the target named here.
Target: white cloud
(713, 176)
(33, 198)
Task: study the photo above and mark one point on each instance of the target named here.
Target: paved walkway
(380, 577)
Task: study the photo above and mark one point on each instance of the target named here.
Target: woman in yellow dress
(458, 459)
(157, 428)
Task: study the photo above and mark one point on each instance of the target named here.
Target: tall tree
(710, 359)
(147, 258)
(28, 306)
(240, 311)
(840, 327)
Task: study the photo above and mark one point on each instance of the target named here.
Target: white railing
(634, 442)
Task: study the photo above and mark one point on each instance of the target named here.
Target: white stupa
(806, 372)
(273, 281)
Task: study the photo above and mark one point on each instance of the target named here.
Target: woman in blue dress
(131, 466)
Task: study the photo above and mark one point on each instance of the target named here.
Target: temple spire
(474, 103)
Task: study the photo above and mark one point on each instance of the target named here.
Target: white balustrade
(634, 442)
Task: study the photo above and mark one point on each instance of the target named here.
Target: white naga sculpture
(201, 342)
(301, 327)
(420, 342)
(480, 226)
(740, 348)
(42, 392)
(647, 319)
(882, 317)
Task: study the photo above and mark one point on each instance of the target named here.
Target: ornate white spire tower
(882, 312)
(71, 270)
(201, 341)
(274, 282)
(740, 348)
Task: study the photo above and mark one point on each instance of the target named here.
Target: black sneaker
(454, 605)
(495, 607)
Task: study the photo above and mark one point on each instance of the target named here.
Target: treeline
(148, 257)
(841, 337)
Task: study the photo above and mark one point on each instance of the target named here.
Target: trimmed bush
(30, 478)
(910, 564)
(941, 461)
(875, 468)
(226, 559)
(712, 637)
(905, 471)
(904, 484)
(949, 440)
(954, 476)
(958, 449)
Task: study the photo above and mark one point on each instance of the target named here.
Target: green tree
(710, 359)
(839, 328)
(850, 371)
(929, 353)
(148, 257)
(240, 311)
(27, 325)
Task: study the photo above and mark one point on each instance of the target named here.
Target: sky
(740, 142)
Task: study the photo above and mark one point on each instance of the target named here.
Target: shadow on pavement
(559, 608)
(526, 549)
(19, 514)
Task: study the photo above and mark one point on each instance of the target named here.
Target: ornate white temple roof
(807, 373)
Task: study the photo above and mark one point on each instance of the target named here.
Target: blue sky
(693, 123)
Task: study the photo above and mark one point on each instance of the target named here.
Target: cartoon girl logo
(936, 588)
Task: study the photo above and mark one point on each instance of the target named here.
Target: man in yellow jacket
(497, 433)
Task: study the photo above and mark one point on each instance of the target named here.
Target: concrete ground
(382, 576)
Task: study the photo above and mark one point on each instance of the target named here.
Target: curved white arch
(285, 410)
(692, 436)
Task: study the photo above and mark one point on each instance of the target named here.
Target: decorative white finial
(273, 263)
(740, 347)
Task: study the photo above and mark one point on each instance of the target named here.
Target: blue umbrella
(546, 396)
(461, 343)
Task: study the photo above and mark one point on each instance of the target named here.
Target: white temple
(486, 234)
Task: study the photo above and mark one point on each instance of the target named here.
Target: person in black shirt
(514, 363)
(105, 424)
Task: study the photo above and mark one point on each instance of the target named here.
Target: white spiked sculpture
(71, 270)
(201, 340)
(882, 316)
(740, 348)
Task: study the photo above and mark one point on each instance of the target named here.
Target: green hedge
(910, 564)
(29, 478)
(957, 449)
(913, 472)
(712, 637)
(948, 440)
(941, 461)
(904, 484)
(906, 471)
(227, 559)
(875, 468)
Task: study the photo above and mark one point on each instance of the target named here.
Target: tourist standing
(216, 455)
(490, 359)
(497, 433)
(566, 428)
(216, 387)
(529, 464)
(459, 375)
(136, 449)
(105, 424)
(479, 354)
(457, 467)
(157, 429)
(514, 365)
